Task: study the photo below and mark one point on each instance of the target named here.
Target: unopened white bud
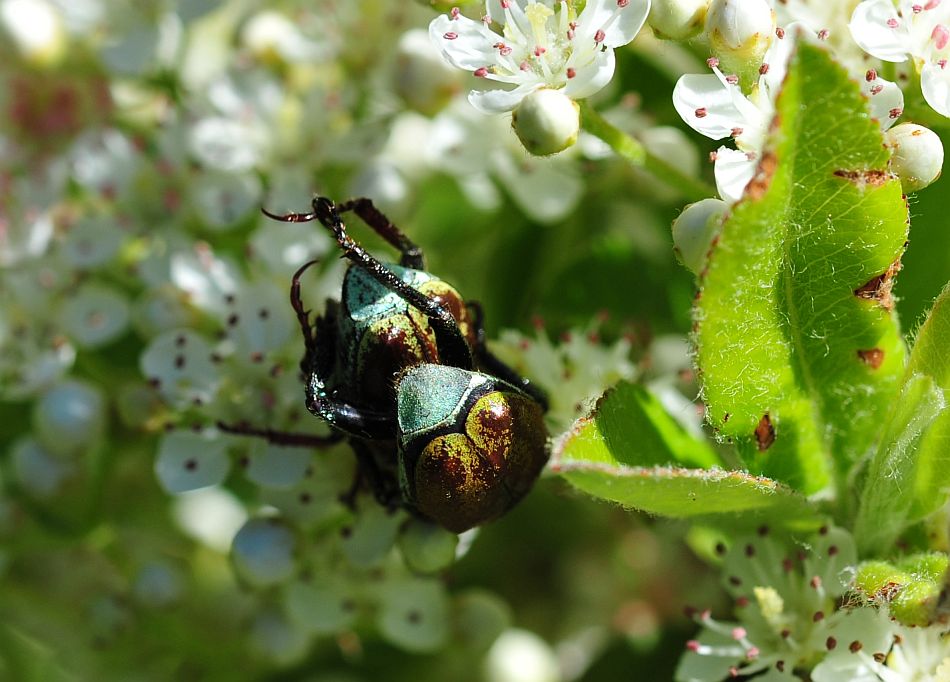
(421, 77)
(916, 155)
(677, 19)
(70, 417)
(521, 656)
(693, 232)
(547, 122)
(739, 33)
(35, 29)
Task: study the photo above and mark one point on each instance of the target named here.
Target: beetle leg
(284, 438)
(358, 422)
(453, 348)
(411, 254)
(383, 484)
(290, 217)
(303, 315)
(494, 365)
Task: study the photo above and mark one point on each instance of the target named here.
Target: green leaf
(911, 589)
(910, 473)
(630, 451)
(629, 426)
(798, 346)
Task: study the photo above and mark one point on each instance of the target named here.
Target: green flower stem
(633, 151)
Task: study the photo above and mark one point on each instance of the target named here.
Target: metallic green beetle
(400, 368)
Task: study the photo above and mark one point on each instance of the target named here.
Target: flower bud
(739, 33)
(427, 548)
(916, 155)
(677, 19)
(70, 417)
(693, 232)
(546, 122)
(424, 80)
(521, 656)
(263, 552)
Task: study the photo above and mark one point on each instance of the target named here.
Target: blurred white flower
(521, 656)
(35, 28)
(716, 106)
(474, 148)
(542, 44)
(271, 35)
(212, 516)
(918, 30)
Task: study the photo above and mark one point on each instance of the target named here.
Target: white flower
(891, 654)
(35, 28)
(915, 29)
(786, 599)
(543, 44)
(474, 148)
(715, 106)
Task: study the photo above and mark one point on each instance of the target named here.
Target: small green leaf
(629, 426)
(630, 451)
(909, 476)
(911, 589)
(798, 346)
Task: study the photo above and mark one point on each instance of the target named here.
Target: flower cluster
(793, 616)
(544, 44)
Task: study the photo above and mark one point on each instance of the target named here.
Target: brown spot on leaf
(864, 178)
(763, 176)
(872, 357)
(878, 288)
(765, 433)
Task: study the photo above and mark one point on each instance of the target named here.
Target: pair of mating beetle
(400, 368)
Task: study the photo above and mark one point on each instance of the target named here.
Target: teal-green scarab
(399, 367)
(470, 445)
(379, 333)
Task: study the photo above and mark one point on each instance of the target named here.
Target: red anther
(571, 72)
(480, 72)
(451, 35)
(701, 112)
(599, 36)
(870, 75)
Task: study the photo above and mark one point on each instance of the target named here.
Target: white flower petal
(706, 105)
(471, 48)
(884, 99)
(619, 24)
(480, 191)
(935, 84)
(179, 364)
(272, 466)
(188, 461)
(500, 101)
(778, 55)
(592, 77)
(869, 28)
(95, 315)
(546, 189)
(734, 169)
